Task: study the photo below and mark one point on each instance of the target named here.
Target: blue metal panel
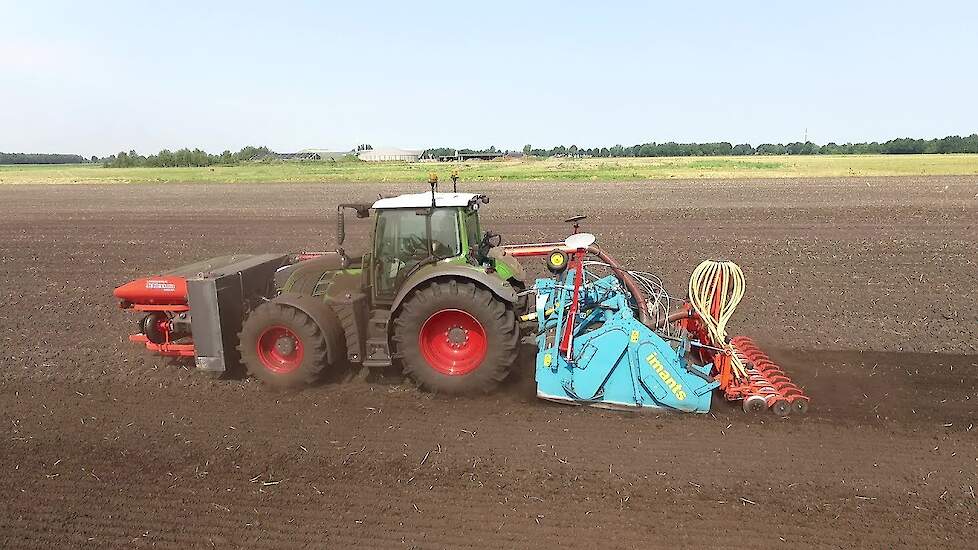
(615, 360)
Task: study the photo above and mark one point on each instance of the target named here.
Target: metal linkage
(657, 300)
(765, 381)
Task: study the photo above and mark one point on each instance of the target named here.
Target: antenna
(433, 182)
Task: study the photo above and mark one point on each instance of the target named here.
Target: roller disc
(781, 408)
(800, 406)
(754, 404)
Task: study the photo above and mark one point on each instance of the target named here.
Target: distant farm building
(284, 156)
(305, 154)
(472, 156)
(389, 153)
(327, 154)
(301, 155)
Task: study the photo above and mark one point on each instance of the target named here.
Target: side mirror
(362, 210)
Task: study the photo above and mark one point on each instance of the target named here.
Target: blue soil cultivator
(606, 356)
(618, 340)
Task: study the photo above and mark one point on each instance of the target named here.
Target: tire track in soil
(509, 459)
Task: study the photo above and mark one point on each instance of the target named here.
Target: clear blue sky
(97, 77)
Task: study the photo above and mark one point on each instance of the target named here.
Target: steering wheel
(440, 249)
(415, 246)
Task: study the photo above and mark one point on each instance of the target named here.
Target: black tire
(496, 318)
(800, 406)
(150, 326)
(271, 319)
(781, 408)
(754, 404)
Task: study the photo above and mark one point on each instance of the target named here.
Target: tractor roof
(423, 200)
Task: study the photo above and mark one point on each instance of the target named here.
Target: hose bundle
(658, 302)
(715, 289)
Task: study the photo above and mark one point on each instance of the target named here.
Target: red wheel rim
(453, 342)
(280, 349)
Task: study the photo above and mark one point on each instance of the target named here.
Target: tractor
(434, 292)
(450, 304)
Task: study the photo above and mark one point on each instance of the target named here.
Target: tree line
(436, 152)
(899, 146)
(40, 158)
(197, 157)
(182, 157)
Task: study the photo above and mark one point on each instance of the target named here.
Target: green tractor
(434, 293)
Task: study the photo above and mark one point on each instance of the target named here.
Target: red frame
(166, 349)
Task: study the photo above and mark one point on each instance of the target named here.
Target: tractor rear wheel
(281, 345)
(456, 337)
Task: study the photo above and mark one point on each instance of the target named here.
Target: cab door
(402, 240)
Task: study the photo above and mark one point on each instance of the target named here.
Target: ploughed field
(863, 289)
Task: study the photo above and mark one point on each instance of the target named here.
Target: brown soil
(862, 288)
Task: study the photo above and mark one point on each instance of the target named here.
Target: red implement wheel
(281, 345)
(456, 337)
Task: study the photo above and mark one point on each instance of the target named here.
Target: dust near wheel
(282, 346)
(456, 337)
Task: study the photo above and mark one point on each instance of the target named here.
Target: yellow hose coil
(709, 279)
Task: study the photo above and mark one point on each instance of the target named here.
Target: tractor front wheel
(282, 346)
(456, 337)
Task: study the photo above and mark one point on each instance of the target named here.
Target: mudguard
(302, 277)
(494, 284)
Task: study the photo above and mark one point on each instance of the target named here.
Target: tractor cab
(412, 231)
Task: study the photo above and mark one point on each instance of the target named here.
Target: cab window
(401, 242)
(472, 229)
(445, 241)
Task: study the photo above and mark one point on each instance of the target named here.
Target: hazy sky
(97, 77)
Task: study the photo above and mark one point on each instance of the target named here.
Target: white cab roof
(423, 200)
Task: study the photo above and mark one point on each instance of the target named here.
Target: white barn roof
(423, 200)
(389, 153)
